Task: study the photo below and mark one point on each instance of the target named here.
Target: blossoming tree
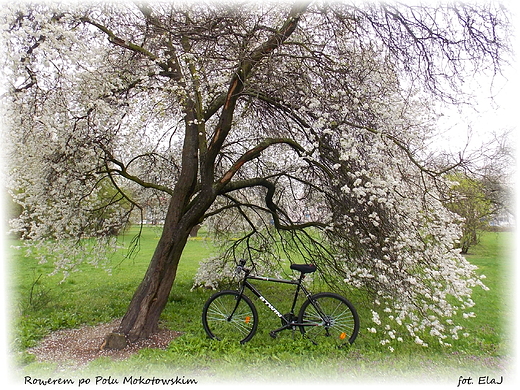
(303, 125)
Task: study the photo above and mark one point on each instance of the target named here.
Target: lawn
(41, 304)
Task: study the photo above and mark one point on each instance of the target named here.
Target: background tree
(497, 173)
(482, 190)
(305, 116)
(468, 199)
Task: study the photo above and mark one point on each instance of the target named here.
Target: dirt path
(77, 347)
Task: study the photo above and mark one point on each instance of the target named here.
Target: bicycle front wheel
(330, 318)
(227, 315)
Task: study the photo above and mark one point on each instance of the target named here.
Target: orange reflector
(342, 336)
(248, 319)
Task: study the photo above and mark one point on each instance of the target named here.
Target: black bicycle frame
(258, 294)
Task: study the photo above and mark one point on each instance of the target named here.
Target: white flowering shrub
(215, 272)
(388, 231)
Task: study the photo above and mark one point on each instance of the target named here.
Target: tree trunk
(142, 316)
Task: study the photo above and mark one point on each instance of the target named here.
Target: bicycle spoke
(224, 319)
(330, 317)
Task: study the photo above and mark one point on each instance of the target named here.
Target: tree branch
(272, 207)
(254, 153)
(278, 103)
(124, 173)
(169, 68)
(241, 75)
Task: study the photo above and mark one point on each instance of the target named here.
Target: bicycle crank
(288, 318)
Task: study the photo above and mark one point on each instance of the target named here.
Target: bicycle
(231, 315)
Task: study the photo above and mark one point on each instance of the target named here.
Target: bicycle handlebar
(240, 267)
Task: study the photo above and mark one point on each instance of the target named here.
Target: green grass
(41, 304)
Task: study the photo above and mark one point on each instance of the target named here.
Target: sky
(507, 99)
(496, 108)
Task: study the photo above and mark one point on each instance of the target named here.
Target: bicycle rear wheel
(329, 318)
(227, 315)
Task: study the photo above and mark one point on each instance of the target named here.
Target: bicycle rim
(332, 319)
(226, 317)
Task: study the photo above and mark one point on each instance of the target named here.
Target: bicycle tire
(216, 317)
(339, 324)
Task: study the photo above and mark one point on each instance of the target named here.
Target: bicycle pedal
(273, 334)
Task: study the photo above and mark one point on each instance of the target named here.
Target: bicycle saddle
(304, 268)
